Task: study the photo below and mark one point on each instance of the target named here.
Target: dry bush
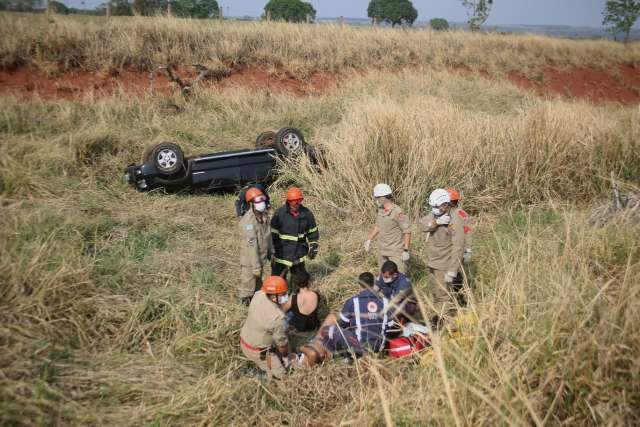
(95, 44)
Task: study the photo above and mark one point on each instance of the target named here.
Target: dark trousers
(278, 269)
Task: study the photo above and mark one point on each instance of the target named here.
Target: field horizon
(120, 308)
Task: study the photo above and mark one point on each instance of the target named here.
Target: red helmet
(453, 194)
(274, 285)
(252, 193)
(294, 194)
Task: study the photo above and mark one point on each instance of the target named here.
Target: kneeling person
(263, 338)
(359, 328)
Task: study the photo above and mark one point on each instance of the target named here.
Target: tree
(439, 24)
(149, 7)
(375, 11)
(478, 12)
(58, 8)
(620, 16)
(289, 10)
(392, 11)
(196, 8)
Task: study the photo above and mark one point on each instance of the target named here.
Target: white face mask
(437, 211)
(260, 206)
(388, 280)
(283, 299)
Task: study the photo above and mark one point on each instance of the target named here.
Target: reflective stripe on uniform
(385, 303)
(356, 309)
(288, 236)
(312, 230)
(289, 263)
(344, 318)
(249, 346)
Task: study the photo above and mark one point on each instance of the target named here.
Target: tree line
(619, 16)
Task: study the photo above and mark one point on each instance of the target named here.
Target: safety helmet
(274, 285)
(252, 193)
(294, 193)
(438, 197)
(382, 190)
(453, 194)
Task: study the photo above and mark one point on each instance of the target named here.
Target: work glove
(406, 256)
(367, 245)
(443, 220)
(466, 257)
(450, 276)
(313, 252)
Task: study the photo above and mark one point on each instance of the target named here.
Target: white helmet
(438, 197)
(382, 190)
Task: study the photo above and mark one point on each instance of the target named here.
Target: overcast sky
(547, 12)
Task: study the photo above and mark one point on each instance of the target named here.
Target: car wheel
(290, 141)
(167, 158)
(265, 139)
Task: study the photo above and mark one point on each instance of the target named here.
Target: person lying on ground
(358, 329)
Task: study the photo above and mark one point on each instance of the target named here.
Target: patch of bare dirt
(28, 83)
(620, 84)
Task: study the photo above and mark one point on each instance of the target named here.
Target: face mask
(282, 299)
(437, 211)
(260, 206)
(388, 280)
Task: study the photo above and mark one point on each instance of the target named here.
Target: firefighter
(263, 338)
(295, 237)
(256, 247)
(392, 230)
(457, 210)
(445, 248)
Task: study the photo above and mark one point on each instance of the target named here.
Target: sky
(522, 12)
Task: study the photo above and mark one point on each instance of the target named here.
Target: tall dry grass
(118, 308)
(427, 138)
(59, 42)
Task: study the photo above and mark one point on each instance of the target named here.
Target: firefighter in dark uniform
(295, 237)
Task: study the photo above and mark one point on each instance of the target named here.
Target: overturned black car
(165, 166)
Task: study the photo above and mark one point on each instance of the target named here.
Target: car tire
(265, 139)
(168, 158)
(289, 141)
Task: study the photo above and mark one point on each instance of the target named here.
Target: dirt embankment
(620, 84)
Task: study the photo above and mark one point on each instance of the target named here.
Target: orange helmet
(294, 193)
(453, 194)
(252, 193)
(274, 285)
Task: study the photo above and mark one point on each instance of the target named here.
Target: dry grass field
(118, 308)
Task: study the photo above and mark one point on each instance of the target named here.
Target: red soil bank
(620, 84)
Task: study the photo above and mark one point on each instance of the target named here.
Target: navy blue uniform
(399, 292)
(400, 286)
(366, 316)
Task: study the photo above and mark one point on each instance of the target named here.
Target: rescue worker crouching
(392, 230)
(256, 246)
(358, 329)
(445, 248)
(295, 237)
(397, 288)
(263, 338)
